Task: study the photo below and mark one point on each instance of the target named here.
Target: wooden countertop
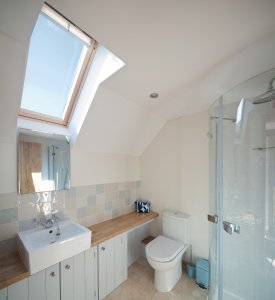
(12, 270)
(108, 229)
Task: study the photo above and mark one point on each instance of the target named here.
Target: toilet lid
(163, 249)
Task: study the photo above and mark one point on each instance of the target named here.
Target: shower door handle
(213, 218)
(230, 227)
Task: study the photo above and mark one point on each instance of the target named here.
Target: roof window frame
(80, 72)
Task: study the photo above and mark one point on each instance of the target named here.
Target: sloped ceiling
(116, 123)
(170, 46)
(188, 51)
(16, 24)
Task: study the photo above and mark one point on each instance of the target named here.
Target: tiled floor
(140, 286)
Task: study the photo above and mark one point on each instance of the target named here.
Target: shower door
(58, 158)
(243, 194)
(214, 253)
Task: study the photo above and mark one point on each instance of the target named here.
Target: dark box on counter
(142, 206)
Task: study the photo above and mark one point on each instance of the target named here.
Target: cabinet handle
(67, 267)
(53, 274)
(103, 248)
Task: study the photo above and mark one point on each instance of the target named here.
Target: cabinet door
(3, 294)
(102, 270)
(91, 274)
(52, 275)
(37, 288)
(79, 277)
(110, 267)
(135, 236)
(106, 268)
(67, 279)
(19, 290)
(120, 258)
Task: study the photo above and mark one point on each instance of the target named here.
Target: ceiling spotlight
(154, 95)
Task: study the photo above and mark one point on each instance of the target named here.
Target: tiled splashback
(87, 205)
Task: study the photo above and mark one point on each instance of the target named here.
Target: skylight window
(59, 54)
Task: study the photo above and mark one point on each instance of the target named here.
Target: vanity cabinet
(67, 279)
(75, 278)
(4, 294)
(78, 276)
(112, 262)
(44, 285)
(121, 268)
(18, 290)
(91, 273)
(106, 268)
(52, 275)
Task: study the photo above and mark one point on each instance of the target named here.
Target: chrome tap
(48, 223)
(55, 220)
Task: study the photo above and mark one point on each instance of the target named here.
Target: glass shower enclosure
(242, 200)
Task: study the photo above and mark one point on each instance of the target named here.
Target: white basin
(41, 248)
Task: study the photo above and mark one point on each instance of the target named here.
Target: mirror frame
(42, 134)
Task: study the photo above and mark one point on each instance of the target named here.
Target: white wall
(87, 167)
(174, 174)
(94, 168)
(12, 60)
(14, 47)
(114, 124)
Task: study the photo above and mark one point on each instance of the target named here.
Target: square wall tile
(91, 209)
(82, 221)
(58, 199)
(100, 198)
(8, 200)
(108, 205)
(70, 204)
(91, 190)
(108, 188)
(91, 220)
(115, 213)
(100, 207)
(71, 193)
(28, 199)
(27, 224)
(8, 215)
(81, 212)
(107, 215)
(122, 195)
(82, 191)
(8, 231)
(100, 188)
(27, 212)
(71, 214)
(7, 246)
(127, 201)
(91, 199)
(100, 217)
(81, 201)
(121, 186)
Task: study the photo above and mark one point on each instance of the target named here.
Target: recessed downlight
(154, 95)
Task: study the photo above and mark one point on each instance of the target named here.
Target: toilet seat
(163, 249)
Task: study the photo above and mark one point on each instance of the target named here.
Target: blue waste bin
(191, 271)
(202, 273)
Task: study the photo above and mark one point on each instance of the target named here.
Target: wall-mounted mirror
(43, 162)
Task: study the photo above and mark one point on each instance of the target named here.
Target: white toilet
(164, 253)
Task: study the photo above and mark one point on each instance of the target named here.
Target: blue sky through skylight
(53, 58)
